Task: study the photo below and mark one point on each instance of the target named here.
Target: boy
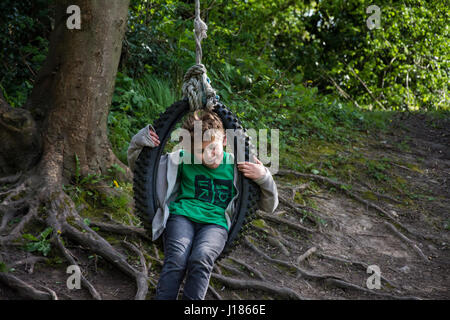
(197, 204)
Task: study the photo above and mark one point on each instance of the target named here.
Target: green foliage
(159, 35)
(403, 65)
(3, 267)
(86, 193)
(135, 104)
(82, 185)
(273, 62)
(298, 111)
(24, 31)
(40, 243)
(377, 169)
(252, 57)
(251, 44)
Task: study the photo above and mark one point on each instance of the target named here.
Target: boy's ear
(224, 140)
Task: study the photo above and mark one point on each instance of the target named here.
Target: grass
(136, 103)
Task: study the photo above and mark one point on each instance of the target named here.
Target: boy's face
(211, 152)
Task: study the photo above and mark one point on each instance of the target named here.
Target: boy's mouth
(212, 162)
(212, 166)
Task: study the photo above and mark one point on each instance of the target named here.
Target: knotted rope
(196, 85)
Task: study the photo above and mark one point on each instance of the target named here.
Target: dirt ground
(398, 222)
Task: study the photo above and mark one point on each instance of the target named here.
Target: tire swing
(196, 88)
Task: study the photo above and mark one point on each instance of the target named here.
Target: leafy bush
(24, 31)
(273, 101)
(40, 244)
(135, 104)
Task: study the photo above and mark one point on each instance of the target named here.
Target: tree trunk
(72, 95)
(65, 116)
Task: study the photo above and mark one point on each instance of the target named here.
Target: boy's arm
(144, 138)
(269, 192)
(262, 176)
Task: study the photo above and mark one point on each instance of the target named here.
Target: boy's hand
(252, 170)
(154, 137)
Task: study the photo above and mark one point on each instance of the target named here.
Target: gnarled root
(283, 292)
(50, 205)
(23, 289)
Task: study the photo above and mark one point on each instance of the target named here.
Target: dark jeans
(191, 248)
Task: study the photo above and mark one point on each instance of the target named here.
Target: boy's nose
(211, 154)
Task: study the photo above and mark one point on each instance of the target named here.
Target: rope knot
(196, 85)
(197, 88)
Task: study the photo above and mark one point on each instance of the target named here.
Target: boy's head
(213, 138)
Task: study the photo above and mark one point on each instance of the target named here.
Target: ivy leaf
(30, 237)
(87, 221)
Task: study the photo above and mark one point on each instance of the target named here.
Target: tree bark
(68, 108)
(20, 144)
(65, 116)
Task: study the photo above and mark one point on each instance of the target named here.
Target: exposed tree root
(12, 192)
(50, 205)
(275, 238)
(56, 210)
(28, 262)
(71, 259)
(51, 292)
(324, 278)
(238, 297)
(214, 292)
(407, 240)
(340, 186)
(10, 179)
(7, 216)
(369, 204)
(346, 285)
(16, 232)
(251, 269)
(300, 272)
(332, 182)
(277, 242)
(281, 221)
(304, 256)
(23, 289)
(379, 195)
(282, 292)
(142, 277)
(100, 246)
(361, 265)
(288, 242)
(232, 269)
(121, 229)
(295, 189)
(297, 209)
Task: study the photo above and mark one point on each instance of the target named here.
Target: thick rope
(200, 29)
(196, 86)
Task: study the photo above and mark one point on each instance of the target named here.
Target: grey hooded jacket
(168, 183)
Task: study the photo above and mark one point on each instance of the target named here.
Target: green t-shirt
(204, 193)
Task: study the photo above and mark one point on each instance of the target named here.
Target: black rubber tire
(146, 170)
